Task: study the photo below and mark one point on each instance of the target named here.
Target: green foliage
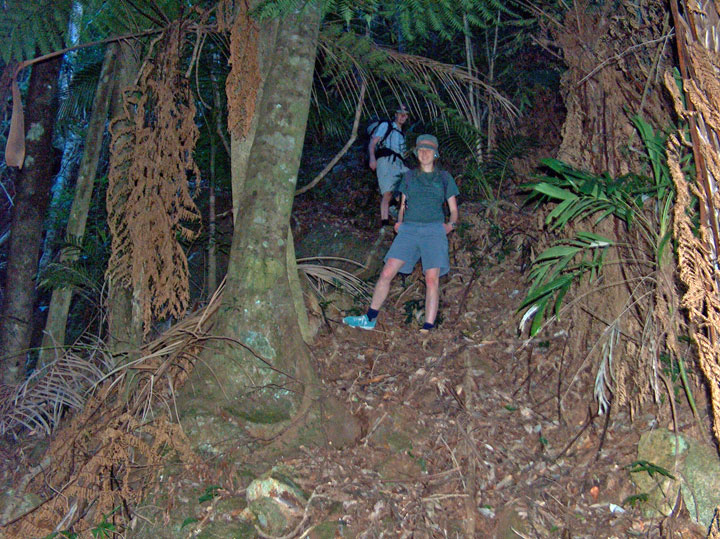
(556, 269)
(30, 28)
(415, 18)
(105, 529)
(641, 202)
(643, 466)
(209, 494)
(487, 178)
(76, 98)
(636, 499)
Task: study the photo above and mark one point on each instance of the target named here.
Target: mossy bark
(261, 374)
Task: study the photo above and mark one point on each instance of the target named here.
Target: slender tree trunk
(472, 93)
(212, 247)
(240, 146)
(31, 201)
(268, 378)
(492, 57)
(124, 330)
(61, 297)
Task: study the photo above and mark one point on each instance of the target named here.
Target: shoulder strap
(389, 130)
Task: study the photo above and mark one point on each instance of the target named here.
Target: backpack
(381, 150)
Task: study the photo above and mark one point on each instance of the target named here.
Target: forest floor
(474, 429)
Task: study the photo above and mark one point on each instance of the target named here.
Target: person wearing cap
(387, 161)
(421, 233)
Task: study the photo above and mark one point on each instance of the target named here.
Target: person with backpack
(421, 233)
(387, 150)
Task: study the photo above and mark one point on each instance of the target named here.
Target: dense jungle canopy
(187, 215)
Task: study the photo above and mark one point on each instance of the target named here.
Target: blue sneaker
(361, 322)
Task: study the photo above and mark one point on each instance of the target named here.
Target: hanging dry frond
(698, 45)
(148, 199)
(244, 79)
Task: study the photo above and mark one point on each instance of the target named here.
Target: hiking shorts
(389, 172)
(421, 241)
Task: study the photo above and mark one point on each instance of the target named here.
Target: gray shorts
(426, 241)
(389, 172)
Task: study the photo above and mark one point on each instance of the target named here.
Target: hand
(372, 164)
(396, 227)
(448, 228)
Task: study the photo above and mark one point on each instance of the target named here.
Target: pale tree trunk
(124, 329)
(492, 57)
(212, 240)
(472, 92)
(267, 378)
(59, 307)
(33, 193)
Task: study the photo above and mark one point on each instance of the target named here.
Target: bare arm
(452, 205)
(401, 213)
(371, 151)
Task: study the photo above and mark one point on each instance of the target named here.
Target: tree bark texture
(124, 330)
(33, 194)
(59, 307)
(267, 377)
(616, 55)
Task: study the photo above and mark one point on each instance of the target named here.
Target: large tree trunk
(603, 89)
(61, 297)
(604, 86)
(267, 378)
(33, 194)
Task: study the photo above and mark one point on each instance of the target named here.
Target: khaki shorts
(389, 172)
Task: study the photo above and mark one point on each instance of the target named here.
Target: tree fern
(32, 27)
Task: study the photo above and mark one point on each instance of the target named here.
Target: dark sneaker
(361, 322)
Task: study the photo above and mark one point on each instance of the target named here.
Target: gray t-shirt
(425, 193)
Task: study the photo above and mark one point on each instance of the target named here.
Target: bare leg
(385, 205)
(432, 294)
(392, 266)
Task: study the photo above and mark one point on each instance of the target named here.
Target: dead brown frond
(102, 462)
(698, 252)
(148, 198)
(40, 401)
(243, 81)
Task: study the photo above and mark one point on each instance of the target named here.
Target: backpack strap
(382, 151)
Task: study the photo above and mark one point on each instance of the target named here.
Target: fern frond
(30, 28)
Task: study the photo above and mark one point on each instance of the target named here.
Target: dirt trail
(472, 430)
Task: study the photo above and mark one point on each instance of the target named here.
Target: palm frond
(428, 86)
(64, 384)
(322, 275)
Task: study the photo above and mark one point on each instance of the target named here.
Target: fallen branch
(343, 151)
